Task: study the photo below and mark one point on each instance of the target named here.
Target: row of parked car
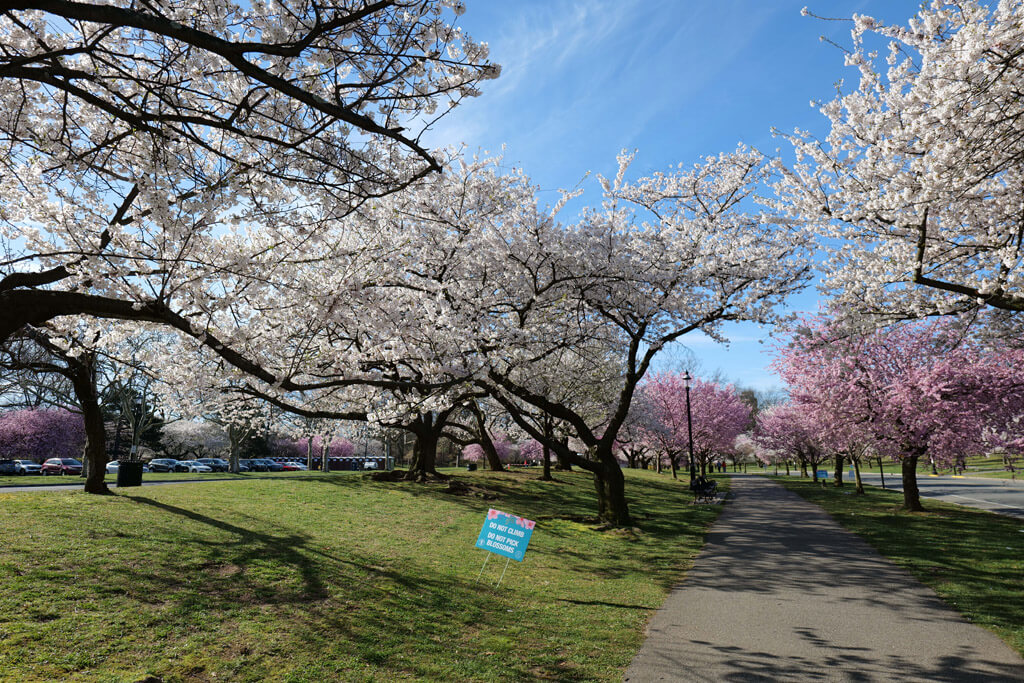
(51, 466)
(74, 466)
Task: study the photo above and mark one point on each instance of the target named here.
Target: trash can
(471, 467)
(129, 474)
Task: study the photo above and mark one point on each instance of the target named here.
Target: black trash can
(129, 474)
(471, 467)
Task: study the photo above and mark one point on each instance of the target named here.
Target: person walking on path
(781, 592)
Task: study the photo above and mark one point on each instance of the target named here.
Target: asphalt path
(781, 592)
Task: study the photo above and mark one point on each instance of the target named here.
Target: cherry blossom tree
(918, 182)
(666, 255)
(921, 389)
(788, 430)
(37, 434)
(166, 161)
(718, 414)
(504, 449)
(187, 439)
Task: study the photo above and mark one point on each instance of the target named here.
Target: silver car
(28, 467)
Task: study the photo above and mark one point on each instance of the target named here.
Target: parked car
(8, 467)
(294, 466)
(271, 465)
(252, 465)
(28, 467)
(61, 466)
(215, 464)
(195, 466)
(166, 465)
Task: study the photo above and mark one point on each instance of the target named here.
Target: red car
(62, 466)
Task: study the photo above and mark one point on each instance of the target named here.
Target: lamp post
(689, 427)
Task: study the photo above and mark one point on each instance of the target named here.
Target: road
(1003, 496)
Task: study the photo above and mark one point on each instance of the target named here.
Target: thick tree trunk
(839, 470)
(787, 467)
(674, 463)
(611, 494)
(424, 457)
(911, 494)
(486, 443)
(562, 463)
(546, 476)
(83, 379)
(427, 429)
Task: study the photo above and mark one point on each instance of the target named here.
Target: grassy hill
(333, 577)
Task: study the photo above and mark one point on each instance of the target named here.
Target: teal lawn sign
(506, 535)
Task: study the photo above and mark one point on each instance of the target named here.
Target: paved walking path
(781, 592)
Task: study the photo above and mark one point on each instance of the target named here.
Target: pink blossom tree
(37, 434)
(531, 451)
(503, 448)
(717, 412)
(790, 431)
(921, 389)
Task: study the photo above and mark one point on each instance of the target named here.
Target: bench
(704, 492)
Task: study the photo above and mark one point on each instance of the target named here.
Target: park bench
(704, 491)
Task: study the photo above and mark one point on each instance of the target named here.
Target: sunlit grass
(110, 478)
(336, 577)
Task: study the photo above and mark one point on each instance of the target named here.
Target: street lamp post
(689, 428)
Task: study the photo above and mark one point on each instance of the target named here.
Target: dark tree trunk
(674, 464)
(911, 494)
(83, 379)
(562, 463)
(611, 493)
(427, 429)
(486, 443)
(839, 470)
(881, 471)
(546, 476)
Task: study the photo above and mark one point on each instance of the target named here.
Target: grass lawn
(973, 559)
(334, 577)
(56, 480)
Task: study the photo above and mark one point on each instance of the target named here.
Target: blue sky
(675, 79)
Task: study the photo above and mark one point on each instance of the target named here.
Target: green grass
(973, 559)
(57, 480)
(334, 577)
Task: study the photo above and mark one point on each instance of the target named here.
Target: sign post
(506, 535)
